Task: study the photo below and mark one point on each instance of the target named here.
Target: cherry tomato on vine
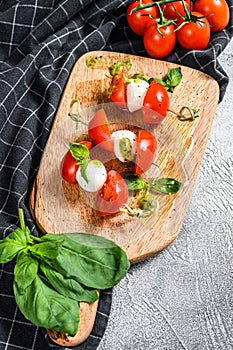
(159, 41)
(69, 166)
(146, 149)
(194, 34)
(99, 131)
(217, 11)
(113, 195)
(175, 9)
(136, 21)
(156, 103)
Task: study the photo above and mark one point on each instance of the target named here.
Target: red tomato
(118, 90)
(219, 11)
(159, 45)
(69, 166)
(194, 35)
(113, 195)
(175, 9)
(136, 21)
(146, 149)
(99, 131)
(156, 103)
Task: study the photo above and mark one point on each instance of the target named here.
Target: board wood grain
(60, 207)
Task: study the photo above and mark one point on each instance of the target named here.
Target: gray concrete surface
(182, 297)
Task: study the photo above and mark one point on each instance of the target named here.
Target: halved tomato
(113, 195)
(99, 131)
(146, 149)
(118, 90)
(156, 103)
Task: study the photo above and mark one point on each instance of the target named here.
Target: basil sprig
(171, 79)
(54, 273)
(163, 185)
(147, 205)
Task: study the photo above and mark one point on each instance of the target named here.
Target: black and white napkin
(40, 40)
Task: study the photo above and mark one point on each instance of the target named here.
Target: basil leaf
(173, 78)
(48, 250)
(79, 152)
(158, 81)
(92, 261)
(135, 183)
(46, 308)
(9, 249)
(68, 286)
(17, 235)
(25, 271)
(165, 185)
(83, 170)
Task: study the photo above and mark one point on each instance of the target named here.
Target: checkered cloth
(40, 40)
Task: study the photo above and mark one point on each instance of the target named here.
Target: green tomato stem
(145, 6)
(21, 219)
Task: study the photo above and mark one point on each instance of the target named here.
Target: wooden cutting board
(59, 207)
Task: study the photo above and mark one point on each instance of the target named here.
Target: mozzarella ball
(124, 145)
(91, 176)
(136, 92)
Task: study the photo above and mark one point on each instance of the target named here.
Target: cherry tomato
(159, 43)
(69, 166)
(217, 9)
(156, 103)
(113, 195)
(175, 9)
(136, 21)
(194, 35)
(146, 149)
(99, 131)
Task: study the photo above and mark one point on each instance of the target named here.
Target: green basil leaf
(25, 271)
(83, 170)
(9, 249)
(135, 183)
(48, 250)
(173, 78)
(68, 286)
(17, 235)
(92, 261)
(79, 152)
(165, 185)
(158, 81)
(48, 309)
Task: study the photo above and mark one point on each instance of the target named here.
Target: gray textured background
(182, 297)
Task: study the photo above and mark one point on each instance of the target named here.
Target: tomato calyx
(191, 17)
(161, 21)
